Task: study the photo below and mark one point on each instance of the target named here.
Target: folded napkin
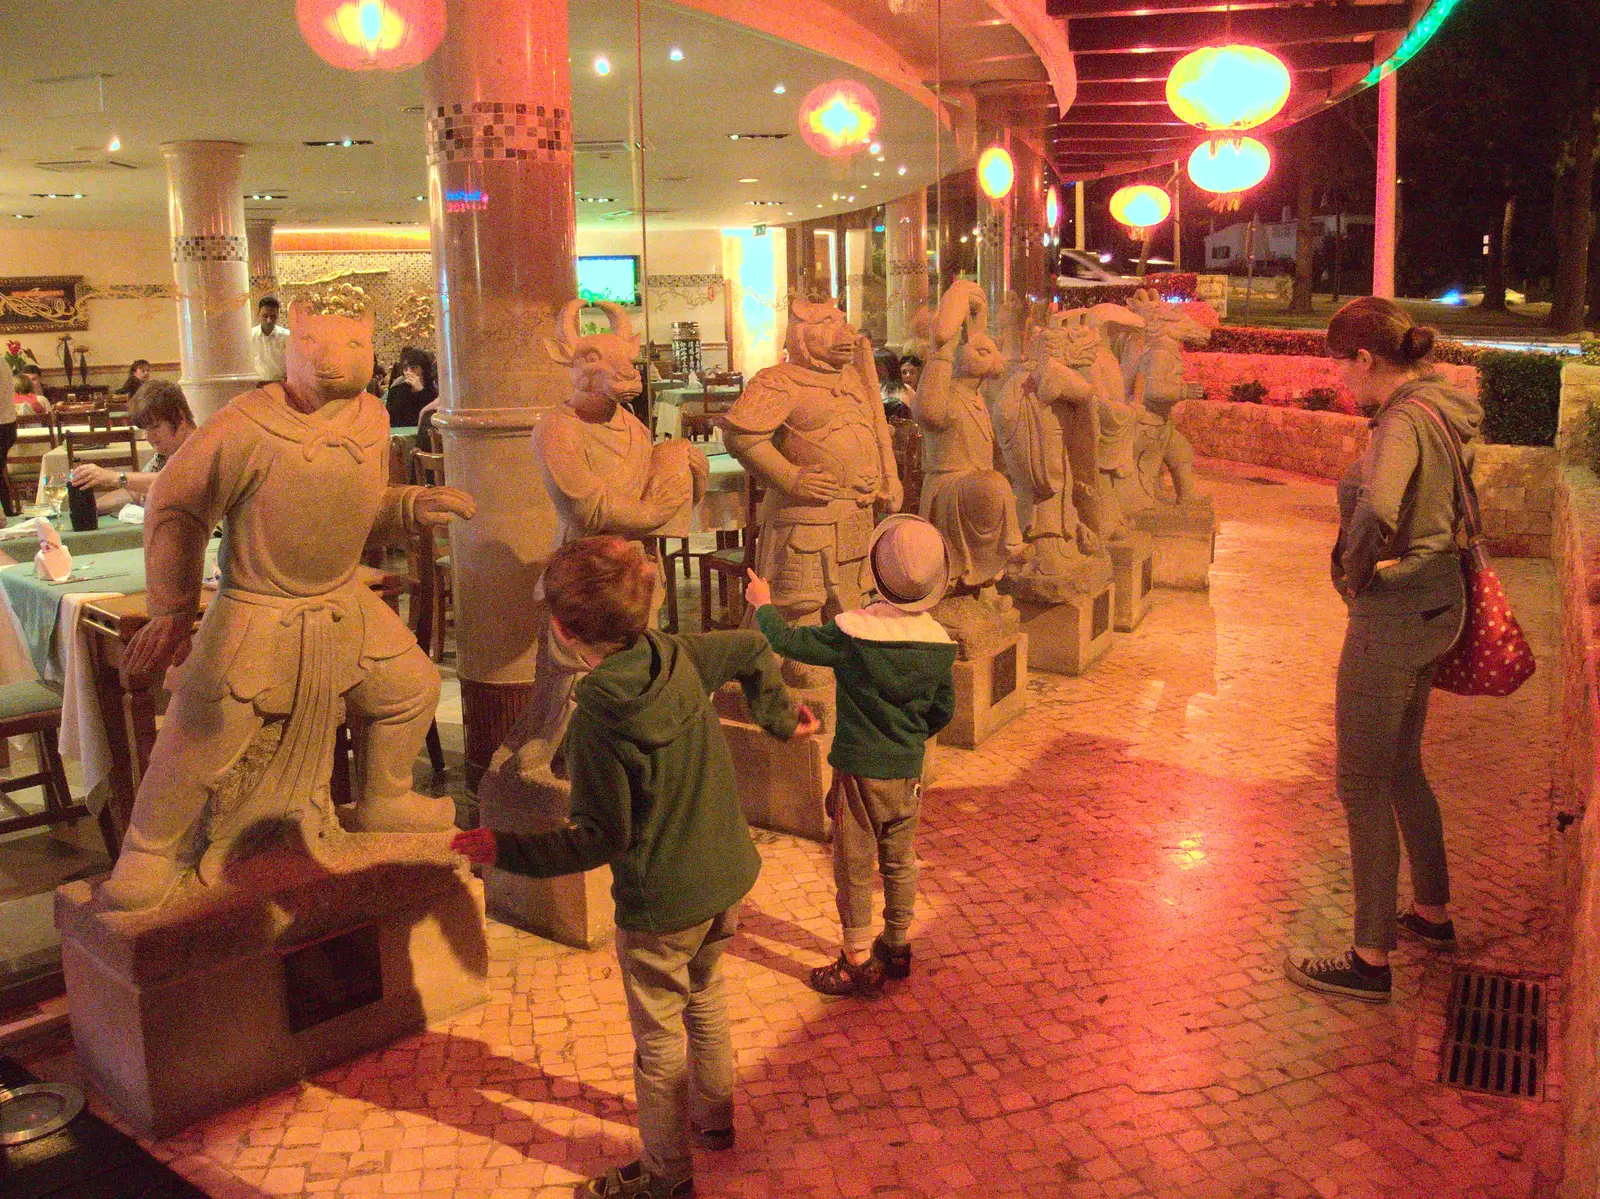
(53, 561)
(131, 514)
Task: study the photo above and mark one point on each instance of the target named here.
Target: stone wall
(1575, 822)
(1288, 376)
(1516, 484)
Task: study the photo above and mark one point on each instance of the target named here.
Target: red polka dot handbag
(1491, 657)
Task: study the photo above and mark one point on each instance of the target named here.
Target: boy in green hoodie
(653, 796)
(892, 663)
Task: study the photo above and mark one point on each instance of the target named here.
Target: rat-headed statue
(1152, 367)
(294, 640)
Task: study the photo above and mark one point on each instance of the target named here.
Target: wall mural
(397, 284)
(59, 303)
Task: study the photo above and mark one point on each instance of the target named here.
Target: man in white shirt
(269, 343)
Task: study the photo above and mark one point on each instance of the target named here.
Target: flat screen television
(613, 277)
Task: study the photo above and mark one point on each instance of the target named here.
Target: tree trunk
(1305, 243)
(1593, 284)
(1494, 289)
(1574, 227)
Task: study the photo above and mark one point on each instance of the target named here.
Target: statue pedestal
(574, 909)
(1069, 637)
(991, 691)
(1185, 542)
(782, 784)
(1133, 575)
(287, 966)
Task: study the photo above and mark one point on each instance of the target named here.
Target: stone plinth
(1185, 542)
(1069, 637)
(782, 784)
(991, 691)
(285, 967)
(1133, 575)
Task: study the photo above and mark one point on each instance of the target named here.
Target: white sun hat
(909, 562)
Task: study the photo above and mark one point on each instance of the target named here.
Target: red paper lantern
(365, 35)
(839, 117)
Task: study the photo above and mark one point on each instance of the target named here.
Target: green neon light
(1421, 34)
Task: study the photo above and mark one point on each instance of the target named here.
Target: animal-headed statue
(1152, 369)
(969, 501)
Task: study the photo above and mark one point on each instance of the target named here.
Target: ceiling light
(28, 216)
(602, 65)
(875, 148)
(779, 90)
(850, 199)
(57, 195)
(340, 143)
(748, 179)
(875, 174)
(675, 54)
(420, 199)
(114, 144)
(267, 196)
(597, 199)
(900, 170)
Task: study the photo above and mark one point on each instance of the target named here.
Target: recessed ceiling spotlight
(597, 199)
(733, 137)
(28, 216)
(602, 65)
(267, 196)
(900, 170)
(779, 90)
(767, 203)
(57, 195)
(749, 179)
(114, 144)
(343, 143)
(875, 174)
(875, 148)
(819, 205)
(420, 199)
(850, 199)
(675, 54)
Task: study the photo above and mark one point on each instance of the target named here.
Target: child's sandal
(842, 977)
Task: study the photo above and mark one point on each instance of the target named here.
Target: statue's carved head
(1069, 338)
(603, 373)
(819, 337)
(1167, 321)
(330, 344)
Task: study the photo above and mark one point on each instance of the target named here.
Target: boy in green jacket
(653, 796)
(892, 663)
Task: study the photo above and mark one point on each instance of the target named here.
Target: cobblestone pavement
(1109, 887)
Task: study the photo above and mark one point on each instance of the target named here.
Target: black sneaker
(718, 1140)
(633, 1181)
(1438, 936)
(843, 978)
(895, 959)
(1345, 974)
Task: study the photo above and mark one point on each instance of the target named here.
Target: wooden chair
(431, 609)
(71, 413)
(115, 413)
(115, 447)
(726, 566)
(724, 379)
(907, 436)
(32, 708)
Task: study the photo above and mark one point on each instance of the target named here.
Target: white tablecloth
(54, 462)
(83, 732)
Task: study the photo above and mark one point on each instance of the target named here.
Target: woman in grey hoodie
(1398, 568)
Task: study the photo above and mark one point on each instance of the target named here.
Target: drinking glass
(55, 492)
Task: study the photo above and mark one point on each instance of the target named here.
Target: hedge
(1312, 343)
(1521, 396)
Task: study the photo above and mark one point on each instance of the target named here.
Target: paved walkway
(1109, 887)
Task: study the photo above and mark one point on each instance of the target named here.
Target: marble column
(263, 266)
(500, 203)
(1383, 230)
(906, 223)
(855, 277)
(1078, 232)
(205, 211)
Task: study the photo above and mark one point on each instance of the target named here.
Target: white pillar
(905, 220)
(205, 211)
(855, 276)
(1383, 229)
(1077, 216)
(263, 266)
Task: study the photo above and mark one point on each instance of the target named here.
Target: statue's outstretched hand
(164, 641)
(439, 505)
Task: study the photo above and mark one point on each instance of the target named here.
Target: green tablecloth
(37, 603)
(17, 539)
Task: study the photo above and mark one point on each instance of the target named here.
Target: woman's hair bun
(1417, 343)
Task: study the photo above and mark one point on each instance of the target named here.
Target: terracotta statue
(963, 495)
(604, 476)
(812, 432)
(1114, 325)
(1152, 368)
(294, 641)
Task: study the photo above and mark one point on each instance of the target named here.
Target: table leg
(113, 715)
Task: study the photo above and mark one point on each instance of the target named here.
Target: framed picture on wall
(41, 304)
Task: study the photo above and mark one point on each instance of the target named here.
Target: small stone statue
(1119, 416)
(812, 431)
(294, 641)
(1152, 367)
(963, 495)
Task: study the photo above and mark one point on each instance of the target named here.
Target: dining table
(19, 538)
(53, 463)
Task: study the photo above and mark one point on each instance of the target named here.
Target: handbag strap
(1466, 491)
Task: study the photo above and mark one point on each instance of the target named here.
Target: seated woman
(416, 387)
(138, 376)
(29, 394)
(160, 410)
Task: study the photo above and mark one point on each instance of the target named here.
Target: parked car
(1087, 268)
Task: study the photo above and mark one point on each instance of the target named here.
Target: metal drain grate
(1494, 1035)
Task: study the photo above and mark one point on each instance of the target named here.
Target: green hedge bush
(1521, 396)
(1253, 392)
(1313, 343)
